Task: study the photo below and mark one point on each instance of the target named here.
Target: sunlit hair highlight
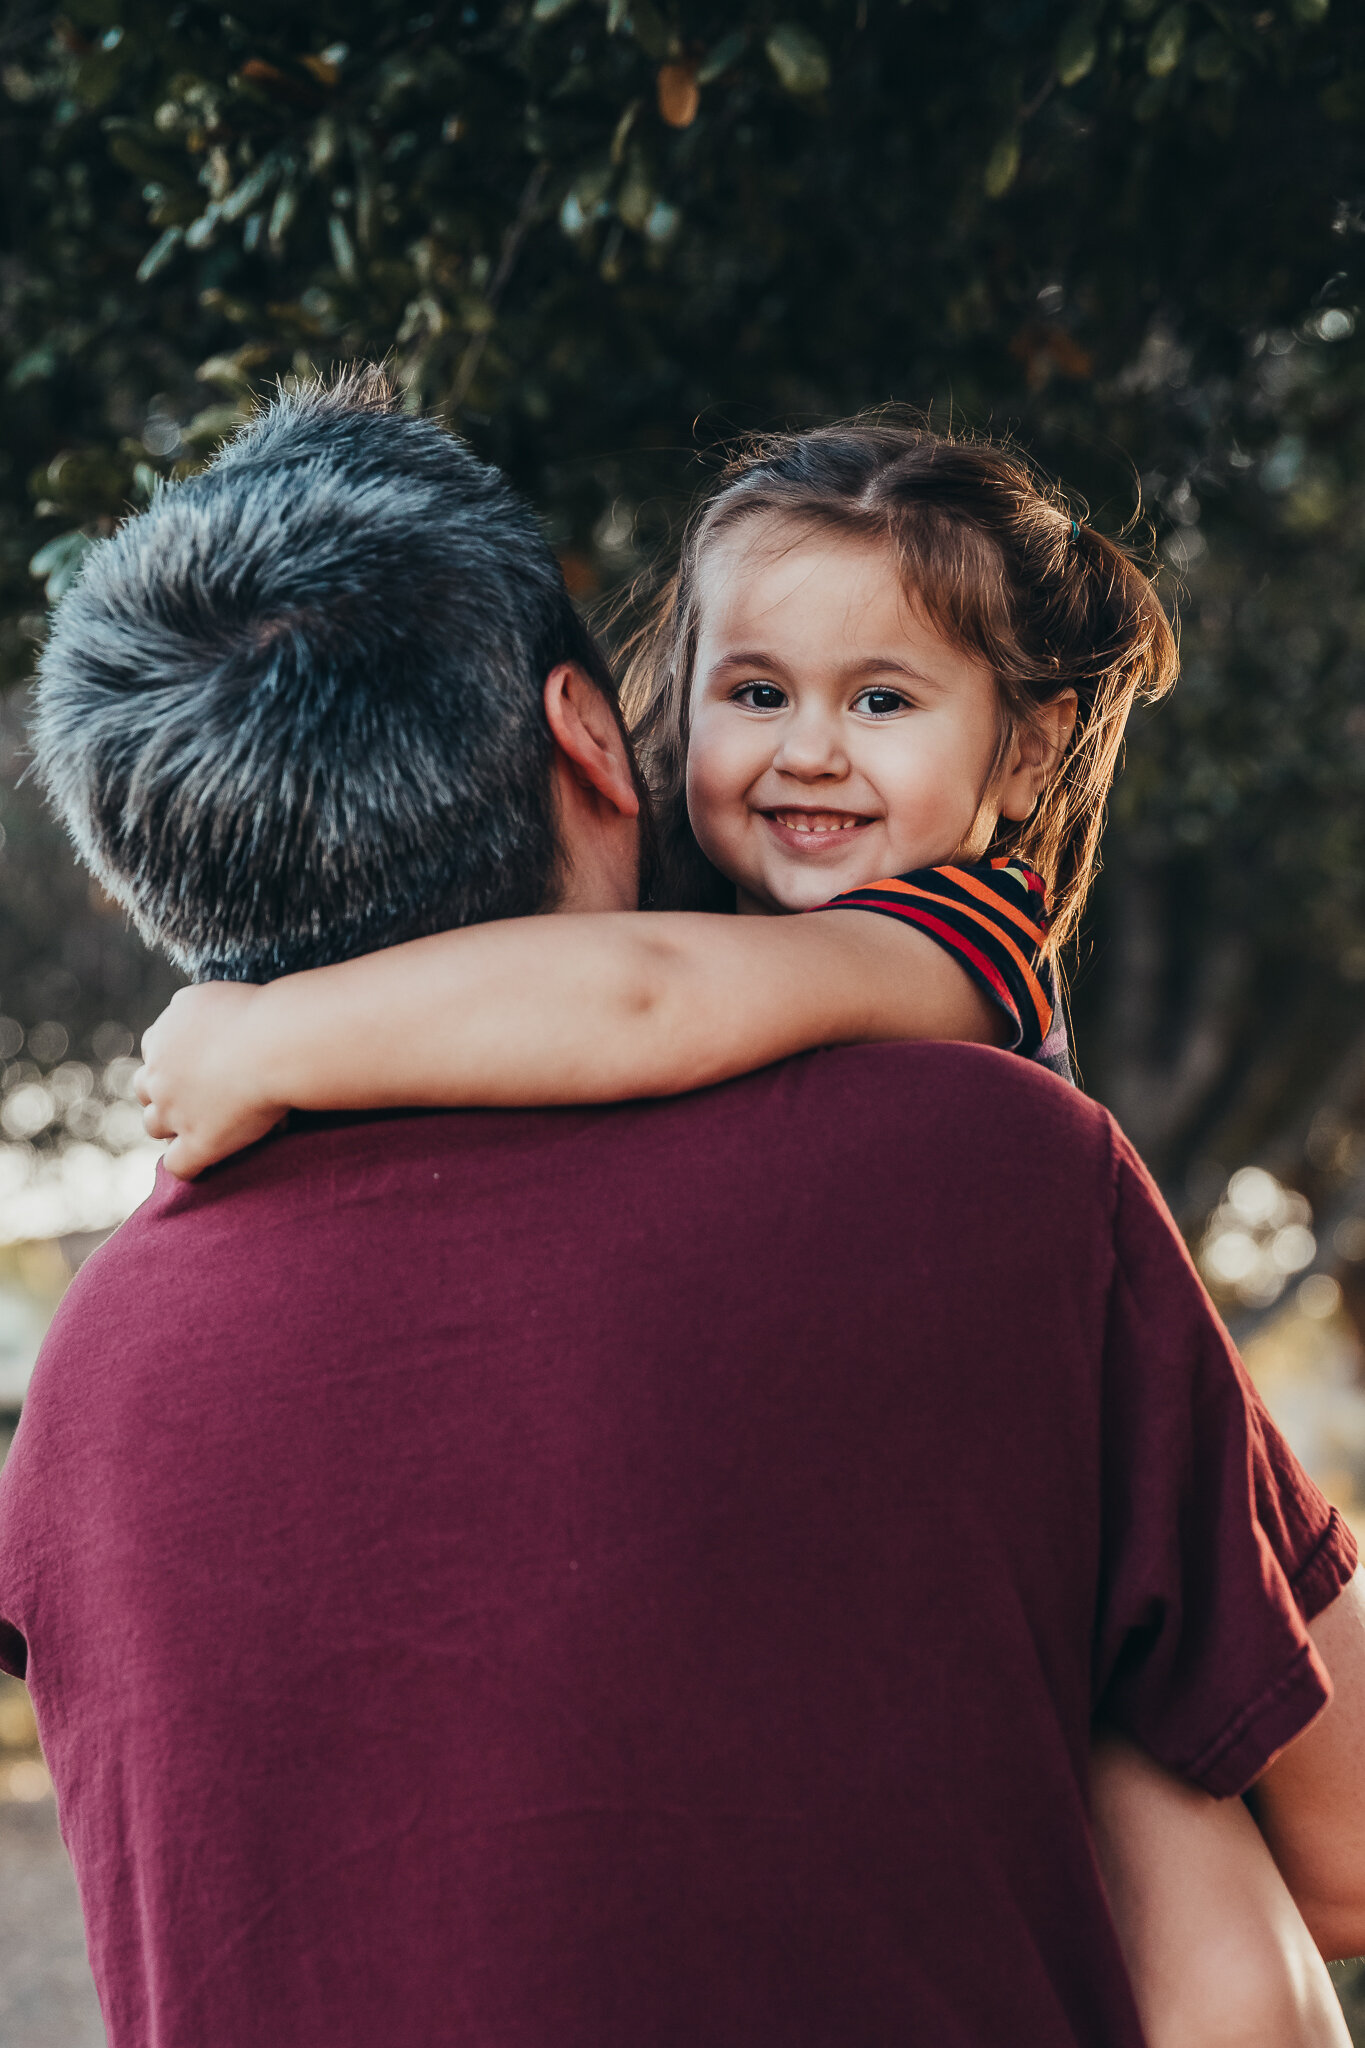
(990, 554)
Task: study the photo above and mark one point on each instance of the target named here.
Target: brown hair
(993, 558)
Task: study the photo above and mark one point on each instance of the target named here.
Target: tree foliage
(604, 234)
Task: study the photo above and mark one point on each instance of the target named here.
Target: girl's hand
(198, 1081)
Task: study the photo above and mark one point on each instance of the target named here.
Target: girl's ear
(1036, 754)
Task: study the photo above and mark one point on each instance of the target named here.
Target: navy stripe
(961, 913)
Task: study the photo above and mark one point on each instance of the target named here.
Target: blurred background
(605, 236)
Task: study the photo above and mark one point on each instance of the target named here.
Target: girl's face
(836, 737)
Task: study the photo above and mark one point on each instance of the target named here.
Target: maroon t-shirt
(644, 1575)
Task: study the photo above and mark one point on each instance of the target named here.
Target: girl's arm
(559, 1009)
(1216, 1948)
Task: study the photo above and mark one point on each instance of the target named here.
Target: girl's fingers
(180, 1160)
(154, 1123)
(142, 1085)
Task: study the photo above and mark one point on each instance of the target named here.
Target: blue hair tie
(1075, 531)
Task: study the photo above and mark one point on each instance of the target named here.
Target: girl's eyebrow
(870, 665)
(747, 658)
(888, 664)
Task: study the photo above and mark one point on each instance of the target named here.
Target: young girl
(891, 675)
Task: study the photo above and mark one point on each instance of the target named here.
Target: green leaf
(635, 200)
(621, 132)
(233, 370)
(134, 151)
(1308, 13)
(97, 76)
(1002, 166)
(159, 255)
(798, 58)
(324, 145)
(200, 233)
(572, 219)
(726, 52)
(1077, 48)
(1151, 99)
(214, 424)
(59, 562)
(282, 215)
(550, 10)
(1211, 58)
(55, 551)
(1166, 44)
(343, 248)
(644, 21)
(250, 190)
(366, 195)
(591, 190)
(35, 366)
(663, 221)
(93, 14)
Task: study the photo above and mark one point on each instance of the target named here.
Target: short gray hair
(293, 711)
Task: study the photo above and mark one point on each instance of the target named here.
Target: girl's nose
(811, 748)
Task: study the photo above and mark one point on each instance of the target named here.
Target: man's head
(329, 695)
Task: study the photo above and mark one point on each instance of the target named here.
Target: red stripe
(1042, 1008)
(975, 885)
(1030, 876)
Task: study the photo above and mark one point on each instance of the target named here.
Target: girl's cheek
(708, 819)
(718, 813)
(716, 781)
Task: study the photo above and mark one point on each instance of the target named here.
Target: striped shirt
(992, 917)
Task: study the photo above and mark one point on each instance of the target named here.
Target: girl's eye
(881, 703)
(760, 697)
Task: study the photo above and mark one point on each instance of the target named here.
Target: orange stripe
(1041, 1005)
(974, 888)
(988, 895)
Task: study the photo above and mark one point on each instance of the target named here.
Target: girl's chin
(787, 895)
(794, 889)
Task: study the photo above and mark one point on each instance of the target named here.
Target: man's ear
(1036, 754)
(586, 733)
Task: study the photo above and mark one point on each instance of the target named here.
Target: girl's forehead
(767, 558)
(771, 573)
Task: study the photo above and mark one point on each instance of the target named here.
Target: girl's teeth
(801, 821)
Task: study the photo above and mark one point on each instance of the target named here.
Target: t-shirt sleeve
(16, 1562)
(13, 1651)
(13, 1648)
(1217, 1547)
(992, 917)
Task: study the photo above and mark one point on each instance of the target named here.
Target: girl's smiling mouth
(812, 831)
